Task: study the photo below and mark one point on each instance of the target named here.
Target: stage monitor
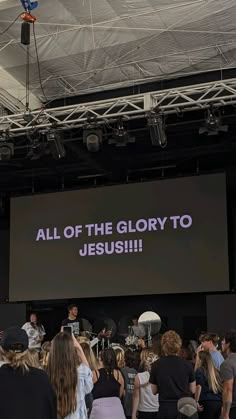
(166, 236)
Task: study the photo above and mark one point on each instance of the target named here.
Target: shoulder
(227, 370)
(84, 369)
(40, 374)
(26, 325)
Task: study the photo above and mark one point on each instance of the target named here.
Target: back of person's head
(33, 358)
(186, 353)
(210, 372)
(108, 358)
(89, 354)
(171, 343)
(62, 371)
(147, 359)
(120, 357)
(131, 359)
(210, 337)
(230, 339)
(82, 339)
(14, 345)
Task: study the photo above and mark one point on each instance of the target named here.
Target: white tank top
(147, 401)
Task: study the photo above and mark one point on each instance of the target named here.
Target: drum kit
(106, 330)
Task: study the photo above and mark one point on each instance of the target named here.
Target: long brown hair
(211, 373)
(62, 370)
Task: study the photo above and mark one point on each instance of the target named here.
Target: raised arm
(135, 397)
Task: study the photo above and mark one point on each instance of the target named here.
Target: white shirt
(34, 333)
(147, 401)
(84, 386)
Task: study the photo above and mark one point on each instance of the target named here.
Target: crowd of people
(64, 379)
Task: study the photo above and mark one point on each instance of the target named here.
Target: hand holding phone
(67, 329)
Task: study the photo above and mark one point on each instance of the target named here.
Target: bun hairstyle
(210, 337)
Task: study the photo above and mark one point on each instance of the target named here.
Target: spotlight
(156, 126)
(6, 151)
(56, 143)
(121, 136)
(92, 138)
(6, 147)
(213, 124)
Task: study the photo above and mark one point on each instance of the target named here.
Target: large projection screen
(157, 237)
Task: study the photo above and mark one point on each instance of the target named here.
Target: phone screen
(67, 329)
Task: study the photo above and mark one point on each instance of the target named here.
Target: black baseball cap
(15, 339)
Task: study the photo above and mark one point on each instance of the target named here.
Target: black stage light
(156, 124)
(92, 138)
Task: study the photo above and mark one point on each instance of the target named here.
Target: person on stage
(138, 330)
(73, 320)
(35, 332)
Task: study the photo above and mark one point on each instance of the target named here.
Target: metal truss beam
(171, 101)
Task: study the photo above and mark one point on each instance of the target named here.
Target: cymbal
(152, 319)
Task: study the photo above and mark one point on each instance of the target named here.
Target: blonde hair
(82, 339)
(45, 354)
(17, 359)
(33, 358)
(88, 352)
(147, 358)
(211, 373)
(171, 343)
(120, 357)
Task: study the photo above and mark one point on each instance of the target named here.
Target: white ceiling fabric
(92, 45)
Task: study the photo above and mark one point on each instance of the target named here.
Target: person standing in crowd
(108, 388)
(93, 365)
(228, 376)
(208, 388)
(73, 320)
(70, 376)
(35, 332)
(145, 403)
(209, 342)
(129, 372)
(138, 330)
(25, 392)
(171, 376)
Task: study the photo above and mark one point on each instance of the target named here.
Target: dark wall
(12, 315)
(4, 264)
(221, 313)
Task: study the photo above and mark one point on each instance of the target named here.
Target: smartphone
(67, 329)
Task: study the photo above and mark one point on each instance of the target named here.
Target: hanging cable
(38, 64)
(9, 27)
(27, 81)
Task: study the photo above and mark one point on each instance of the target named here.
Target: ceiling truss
(171, 101)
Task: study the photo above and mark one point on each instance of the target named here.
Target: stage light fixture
(6, 147)
(156, 124)
(213, 123)
(92, 138)
(120, 136)
(56, 143)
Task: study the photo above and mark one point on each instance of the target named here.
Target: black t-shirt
(206, 392)
(77, 325)
(26, 395)
(172, 376)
